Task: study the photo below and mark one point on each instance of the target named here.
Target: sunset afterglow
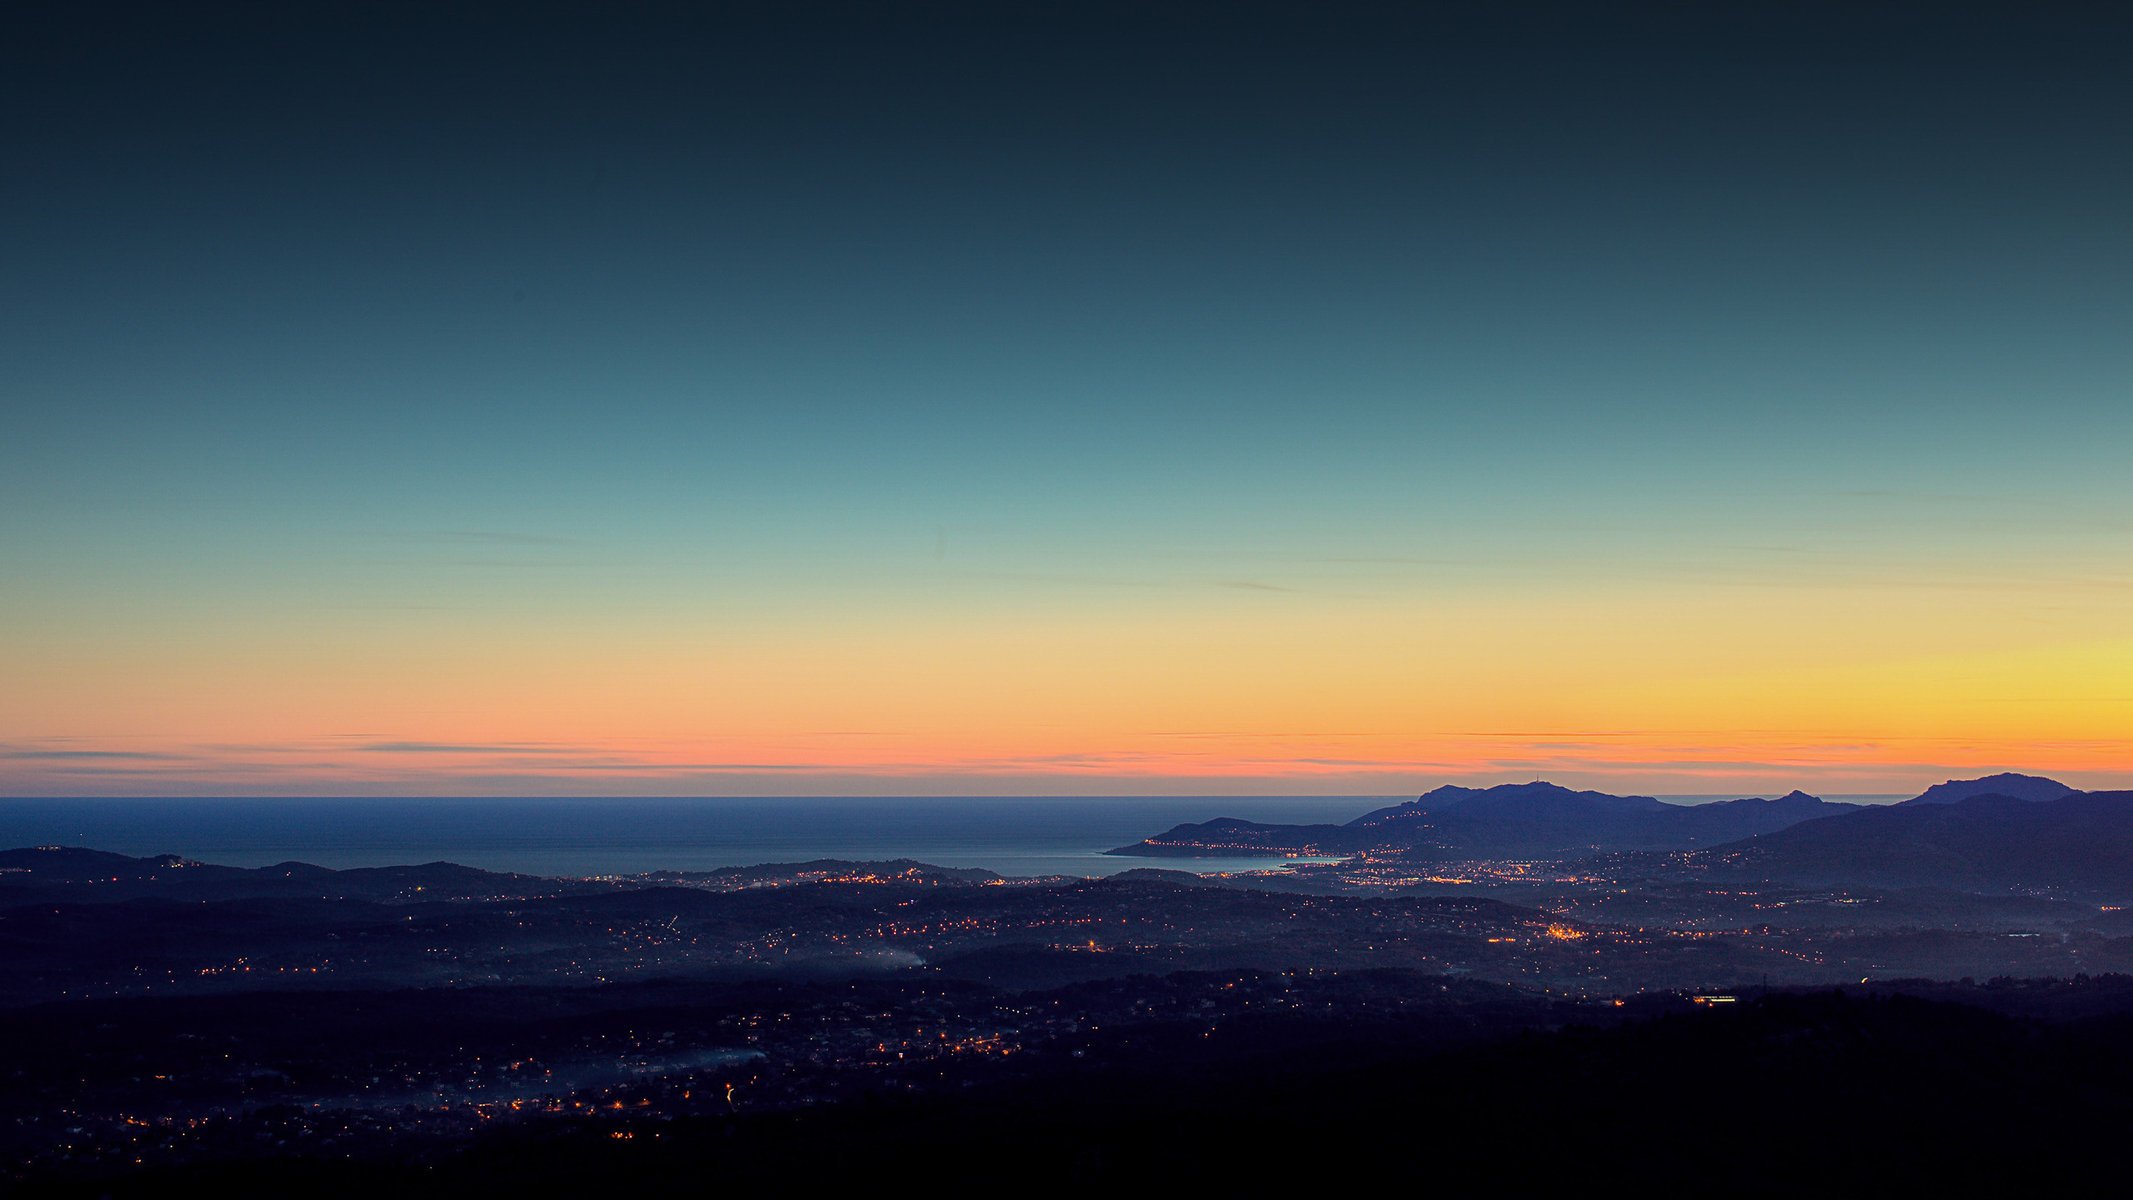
(852, 436)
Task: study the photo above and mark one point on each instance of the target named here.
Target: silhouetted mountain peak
(1510, 799)
(2081, 842)
(2007, 783)
(1539, 789)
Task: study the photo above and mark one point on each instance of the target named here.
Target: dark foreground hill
(1788, 1095)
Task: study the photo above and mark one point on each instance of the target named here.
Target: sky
(1062, 399)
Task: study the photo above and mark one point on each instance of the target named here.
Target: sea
(577, 837)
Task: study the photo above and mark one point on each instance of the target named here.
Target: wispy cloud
(48, 755)
(470, 748)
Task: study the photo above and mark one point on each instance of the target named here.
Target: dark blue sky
(724, 313)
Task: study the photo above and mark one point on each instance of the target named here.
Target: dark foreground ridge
(1752, 1015)
(2015, 1086)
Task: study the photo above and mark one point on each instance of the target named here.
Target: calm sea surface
(1011, 835)
(1014, 836)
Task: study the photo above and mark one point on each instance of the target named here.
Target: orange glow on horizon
(1839, 693)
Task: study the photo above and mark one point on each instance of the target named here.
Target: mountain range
(34, 873)
(1512, 820)
(1998, 833)
(2080, 842)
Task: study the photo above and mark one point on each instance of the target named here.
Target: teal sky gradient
(409, 320)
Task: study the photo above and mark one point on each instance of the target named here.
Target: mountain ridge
(2006, 783)
(1543, 819)
(1508, 820)
(2080, 842)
